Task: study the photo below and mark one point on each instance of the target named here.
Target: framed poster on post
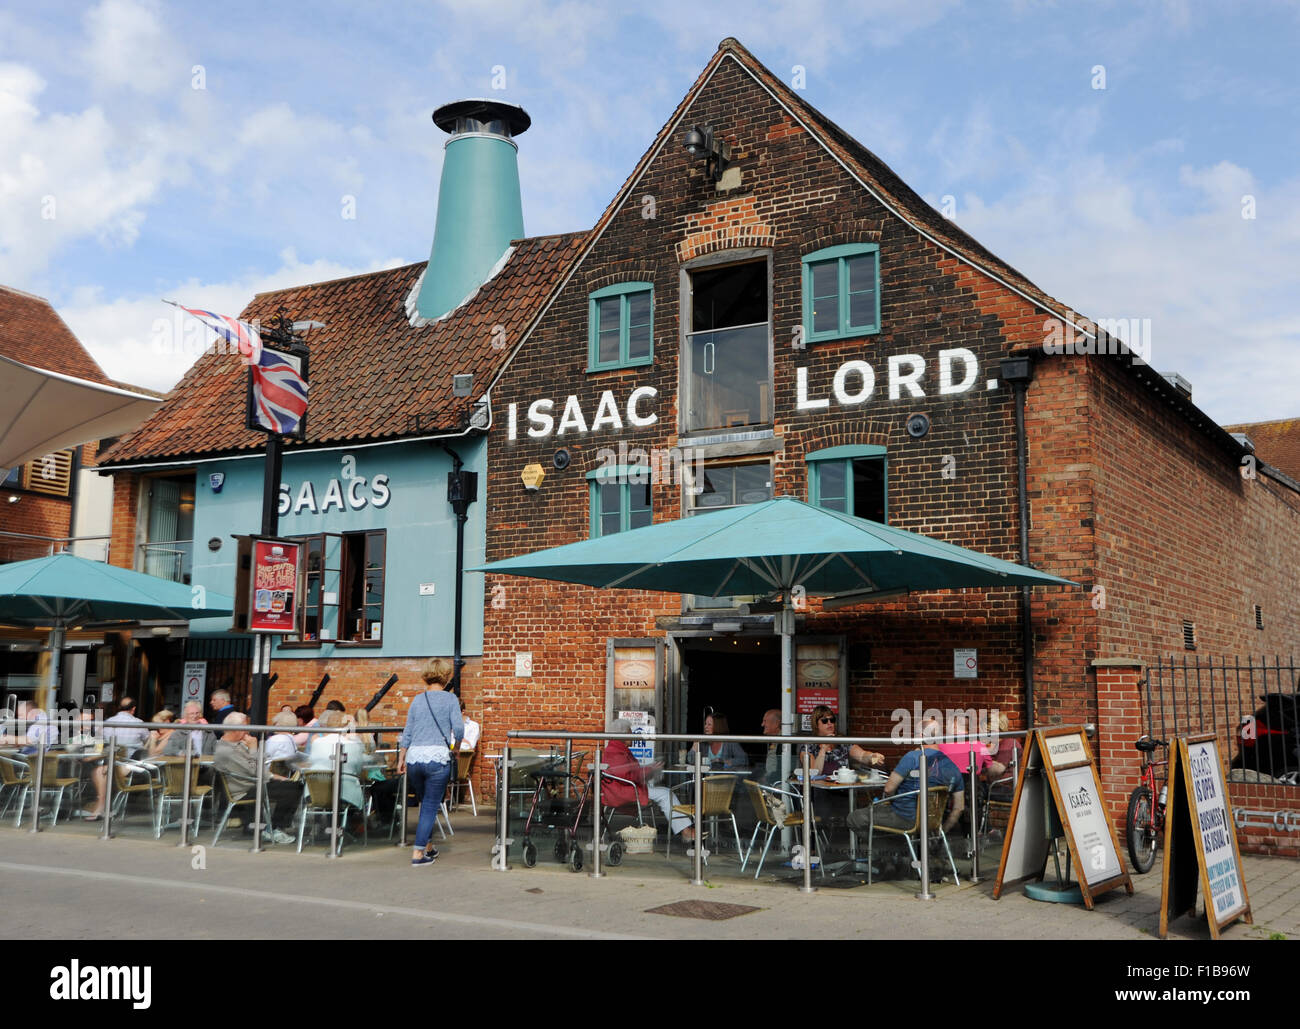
(274, 585)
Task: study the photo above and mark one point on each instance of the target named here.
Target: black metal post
(461, 492)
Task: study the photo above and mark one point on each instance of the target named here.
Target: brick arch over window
(731, 222)
(844, 232)
(625, 273)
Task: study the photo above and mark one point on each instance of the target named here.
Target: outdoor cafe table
(831, 786)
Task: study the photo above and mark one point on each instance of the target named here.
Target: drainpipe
(1019, 371)
(462, 490)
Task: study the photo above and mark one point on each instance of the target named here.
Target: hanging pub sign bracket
(1200, 839)
(1058, 777)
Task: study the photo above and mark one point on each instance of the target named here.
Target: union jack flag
(278, 401)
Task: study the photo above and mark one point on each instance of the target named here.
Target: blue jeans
(428, 781)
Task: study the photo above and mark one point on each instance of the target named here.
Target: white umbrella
(43, 411)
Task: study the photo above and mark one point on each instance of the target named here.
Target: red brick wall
(126, 503)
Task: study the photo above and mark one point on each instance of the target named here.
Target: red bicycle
(1146, 806)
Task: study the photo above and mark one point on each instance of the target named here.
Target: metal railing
(107, 731)
(1253, 707)
(21, 546)
(500, 850)
(166, 559)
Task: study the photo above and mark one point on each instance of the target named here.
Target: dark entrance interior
(737, 675)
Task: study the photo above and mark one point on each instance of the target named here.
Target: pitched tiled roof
(32, 332)
(371, 372)
(1276, 443)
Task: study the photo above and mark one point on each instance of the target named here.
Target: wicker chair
(718, 791)
(15, 777)
(937, 797)
(762, 799)
(318, 801)
(51, 784)
(173, 791)
(249, 800)
(462, 780)
(134, 777)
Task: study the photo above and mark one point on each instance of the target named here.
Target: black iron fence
(1252, 705)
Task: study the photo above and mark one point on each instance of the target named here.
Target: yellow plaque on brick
(532, 475)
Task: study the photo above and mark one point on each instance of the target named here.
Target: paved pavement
(75, 886)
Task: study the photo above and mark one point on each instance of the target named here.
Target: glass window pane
(607, 348)
(638, 341)
(736, 295)
(639, 518)
(607, 313)
(638, 308)
(753, 483)
(609, 524)
(862, 309)
(825, 279)
(375, 552)
(826, 315)
(609, 498)
(727, 382)
(862, 273)
(832, 485)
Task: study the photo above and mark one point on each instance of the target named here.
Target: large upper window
(168, 548)
(343, 589)
(730, 485)
(852, 480)
(621, 326)
(620, 500)
(728, 348)
(841, 292)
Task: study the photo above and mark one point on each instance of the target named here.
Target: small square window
(621, 333)
(621, 502)
(841, 287)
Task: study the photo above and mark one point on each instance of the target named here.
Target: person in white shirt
(472, 729)
(199, 741)
(125, 737)
(36, 725)
(280, 746)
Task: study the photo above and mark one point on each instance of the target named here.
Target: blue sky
(1124, 202)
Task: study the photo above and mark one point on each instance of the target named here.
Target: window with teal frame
(620, 499)
(853, 480)
(620, 331)
(841, 292)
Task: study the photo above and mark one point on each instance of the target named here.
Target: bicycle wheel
(1141, 830)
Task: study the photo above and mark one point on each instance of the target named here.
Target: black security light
(700, 142)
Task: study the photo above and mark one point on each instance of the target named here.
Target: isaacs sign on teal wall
(400, 489)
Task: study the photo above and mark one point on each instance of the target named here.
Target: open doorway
(739, 676)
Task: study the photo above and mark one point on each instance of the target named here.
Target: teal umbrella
(63, 591)
(67, 590)
(771, 548)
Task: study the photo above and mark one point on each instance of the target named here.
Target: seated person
(235, 756)
(730, 755)
(900, 811)
(83, 729)
(472, 729)
(826, 758)
(280, 745)
(158, 738)
(200, 742)
(1005, 759)
(306, 716)
(959, 751)
(32, 726)
(321, 753)
(771, 726)
(621, 763)
(121, 727)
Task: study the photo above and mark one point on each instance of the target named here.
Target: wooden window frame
(623, 291)
(840, 255)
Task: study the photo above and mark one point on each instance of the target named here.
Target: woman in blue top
(432, 735)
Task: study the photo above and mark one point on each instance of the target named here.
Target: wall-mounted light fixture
(14, 499)
(700, 143)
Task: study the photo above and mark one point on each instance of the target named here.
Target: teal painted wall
(421, 537)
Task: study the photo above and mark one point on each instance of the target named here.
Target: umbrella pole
(785, 626)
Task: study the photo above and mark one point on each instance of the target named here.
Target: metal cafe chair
(51, 784)
(173, 791)
(250, 799)
(318, 802)
(15, 777)
(775, 809)
(134, 777)
(937, 803)
(718, 791)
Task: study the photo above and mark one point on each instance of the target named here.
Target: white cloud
(126, 47)
(124, 335)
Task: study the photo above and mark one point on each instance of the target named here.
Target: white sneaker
(280, 836)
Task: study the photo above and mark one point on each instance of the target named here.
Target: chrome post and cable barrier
(923, 809)
(921, 865)
(596, 768)
(501, 859)
(568, 767)
(38, 782)
(336, 789)
(974, 815)
(185, 792)
(259, 795)
(107, 815)
(698, 779)
(808, 827)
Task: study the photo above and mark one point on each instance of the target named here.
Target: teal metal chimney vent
(479, 206)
